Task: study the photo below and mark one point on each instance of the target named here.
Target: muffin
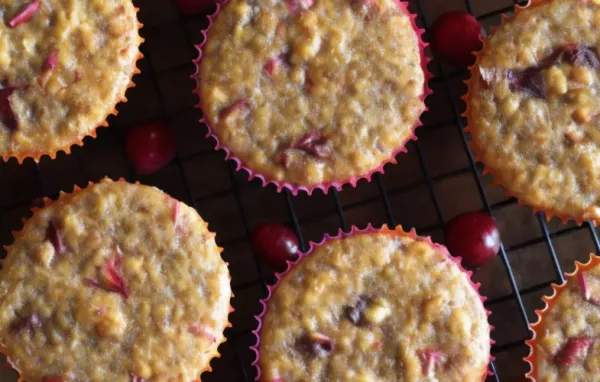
(565, 343)
(64, 65)
(533, 107)
(374, 305)
(308, 94)
(116, 282)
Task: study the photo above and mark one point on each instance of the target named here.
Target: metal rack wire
(238, 338)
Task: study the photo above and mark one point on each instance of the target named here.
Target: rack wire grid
(436, 180)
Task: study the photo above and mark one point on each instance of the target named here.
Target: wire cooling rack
(436, 180)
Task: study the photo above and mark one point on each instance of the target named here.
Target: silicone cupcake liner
(78, 140)
(324, 187)
(550, 301)
(45, 201)
(476, 152)
(342, 235)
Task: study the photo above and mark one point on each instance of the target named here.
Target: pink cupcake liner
(342, 235)
(324, 187)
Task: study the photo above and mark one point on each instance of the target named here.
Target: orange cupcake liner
(78, 140)
(531, 359)
(63, 196)
(293, 187)
(369, 229)
(550, 214)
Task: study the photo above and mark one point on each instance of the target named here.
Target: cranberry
(49, 66)
(201, 331)
(25, 14)
(275, 63)
(474, 237)
(531, 80)
(578, 55)
(275, 244)
(429, 360)
(316, 344)
(314, 143)
(295, 6)
(30, 322)
(238, 108)
(150, 147)
(575, 349)
(455, 36)
(355, 313)
(52, 379)
(114, 277)
(195, 6)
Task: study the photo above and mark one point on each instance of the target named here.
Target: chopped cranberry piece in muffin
(575, 349)
(355, 313)
(199, 330)
(25, 14)
(49, 66)
(429, 360)
(114, 281)
(29, 322)
(455, 35)
(295, 6)
(317, 344)
(54, 235)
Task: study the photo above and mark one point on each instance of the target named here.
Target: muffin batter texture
(309, 93)
(116, 282)
(375, 306)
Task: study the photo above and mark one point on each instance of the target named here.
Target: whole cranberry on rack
(194, 6)
(473, 236)
(455, 35)
(275, 244)
(150, 147)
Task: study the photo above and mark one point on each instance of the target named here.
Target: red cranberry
(150, 147)
(195, 6)
(474, 237)
(25, 14)
(575, 349)
(454, 36)
(275, 244)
